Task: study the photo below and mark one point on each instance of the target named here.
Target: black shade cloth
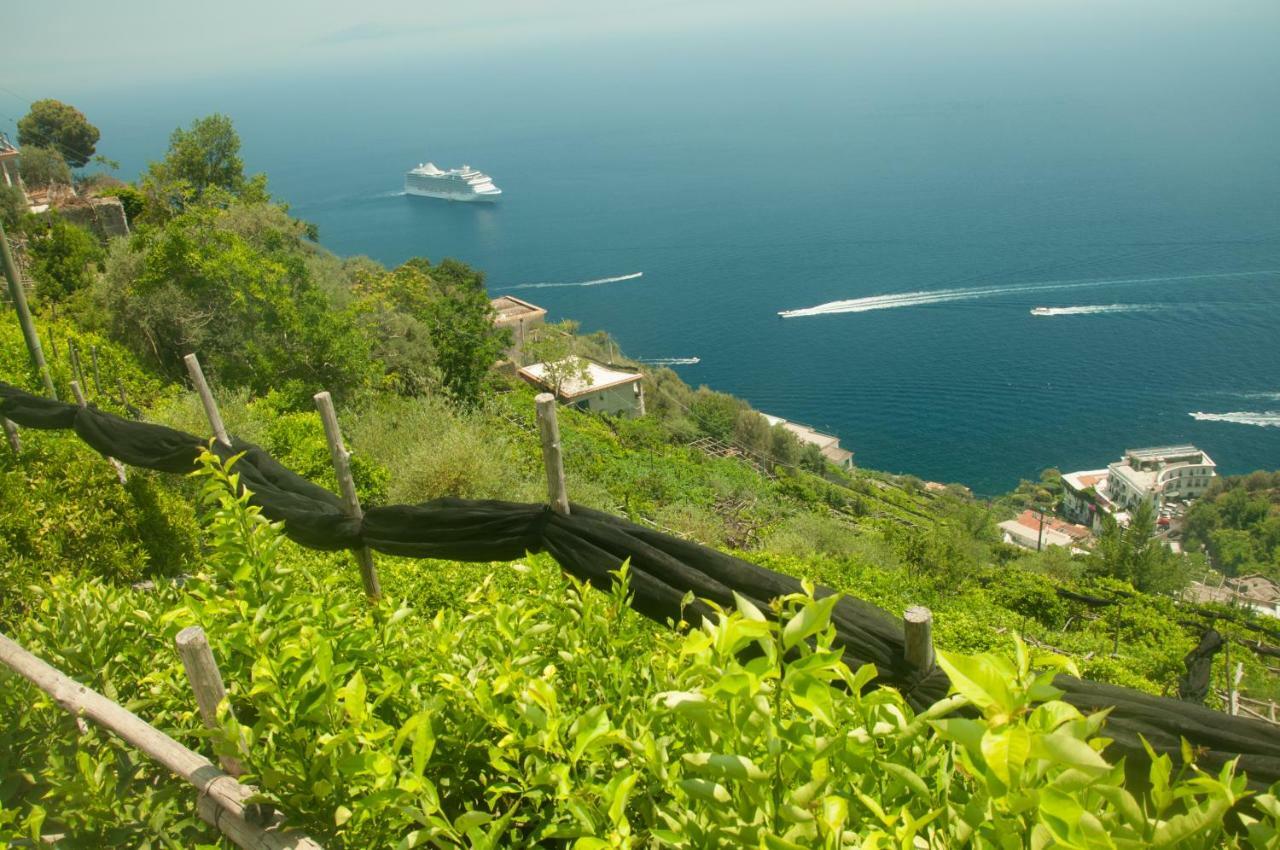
(591, 545)
(1084, 599)
(1194, 686)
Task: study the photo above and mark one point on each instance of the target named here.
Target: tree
(63, 256)
(42, 167)
(556, 348)
(448, 300)
(1134, 555)
(202, 164)
(12, 206)
(54, 124)
(228, 284)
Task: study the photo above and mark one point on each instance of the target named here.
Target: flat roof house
(1029, 531)
(589, 385)
(828, 444)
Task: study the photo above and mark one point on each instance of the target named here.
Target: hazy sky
(77, 44)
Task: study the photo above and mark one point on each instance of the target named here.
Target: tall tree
(202, 160)
(57, 125)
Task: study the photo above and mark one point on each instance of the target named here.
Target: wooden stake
(917, 624)
(97, 374)
(73, 357)
(206, 683)
(19, 296)
(80, 400)
(214, 785)
(347, 484)
(206, 398)
(11, 431)
(124, 397)
(552, 456)
(1234, 695)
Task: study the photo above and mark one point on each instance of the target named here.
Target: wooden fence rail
(221, 800)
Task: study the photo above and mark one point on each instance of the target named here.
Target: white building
(1254, 591)
(589, 385)
(1084, 497)
(1159, 475)
(828, 444)
(518, 315)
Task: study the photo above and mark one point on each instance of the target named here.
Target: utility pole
(19, 297)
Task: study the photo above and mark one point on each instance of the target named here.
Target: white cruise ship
(456, 184)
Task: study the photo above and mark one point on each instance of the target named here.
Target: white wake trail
(1263, 419)
(942, 296)
(597, 282)
(673, 361)
(1093, 309)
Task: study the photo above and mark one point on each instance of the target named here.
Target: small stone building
(518, 315)
(589, 385)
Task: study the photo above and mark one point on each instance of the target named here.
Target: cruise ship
(456, 184)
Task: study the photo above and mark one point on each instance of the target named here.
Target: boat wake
(1264, 419)
(597, 282)
(1093, 309)
(673, 361)
(943, 296)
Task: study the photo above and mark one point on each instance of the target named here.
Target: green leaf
(470, 820)
(589, 728)
(1006, 752)
(705, 790)
(809, 620)
(341, 815)
(1062, 748)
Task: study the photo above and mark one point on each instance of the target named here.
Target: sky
(80, 43)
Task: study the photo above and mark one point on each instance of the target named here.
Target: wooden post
(1273, 711)
(19, 296)
(206, 683)
(552, 455)
(80, 400)
(206, 398)
(213, 785)
(97, 373)
(11, 431)
(124, 397)
(917, 624)
(77, 369)
(1234, 696)
(351, 500)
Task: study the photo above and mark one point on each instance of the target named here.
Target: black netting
(590, 545)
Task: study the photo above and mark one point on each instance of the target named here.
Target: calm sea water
(973, 169)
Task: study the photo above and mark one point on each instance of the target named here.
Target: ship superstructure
(455, 184)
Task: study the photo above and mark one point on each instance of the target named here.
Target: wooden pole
(206, 683)
(124, 397)
(206, 398)
(19, 296)
(347, 484)
(80, 400)
(917, 624)
(97, 373)
(214, 785)
(73, 356)
(1234, 696)
(552, 455)
(11, 431)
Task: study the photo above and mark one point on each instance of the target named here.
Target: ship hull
(446, 195)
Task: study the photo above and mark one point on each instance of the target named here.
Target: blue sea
(923, 181)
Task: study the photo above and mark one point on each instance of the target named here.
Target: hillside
(502, 702)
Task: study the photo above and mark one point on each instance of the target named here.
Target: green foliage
(246, 301)
(432, 326)
(202, 163)
(1237, 523)
(13, 206)
(64, 257)
(545, 713)
(1133, 554)
(61, 509)
(61, 127)
(41, 167)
